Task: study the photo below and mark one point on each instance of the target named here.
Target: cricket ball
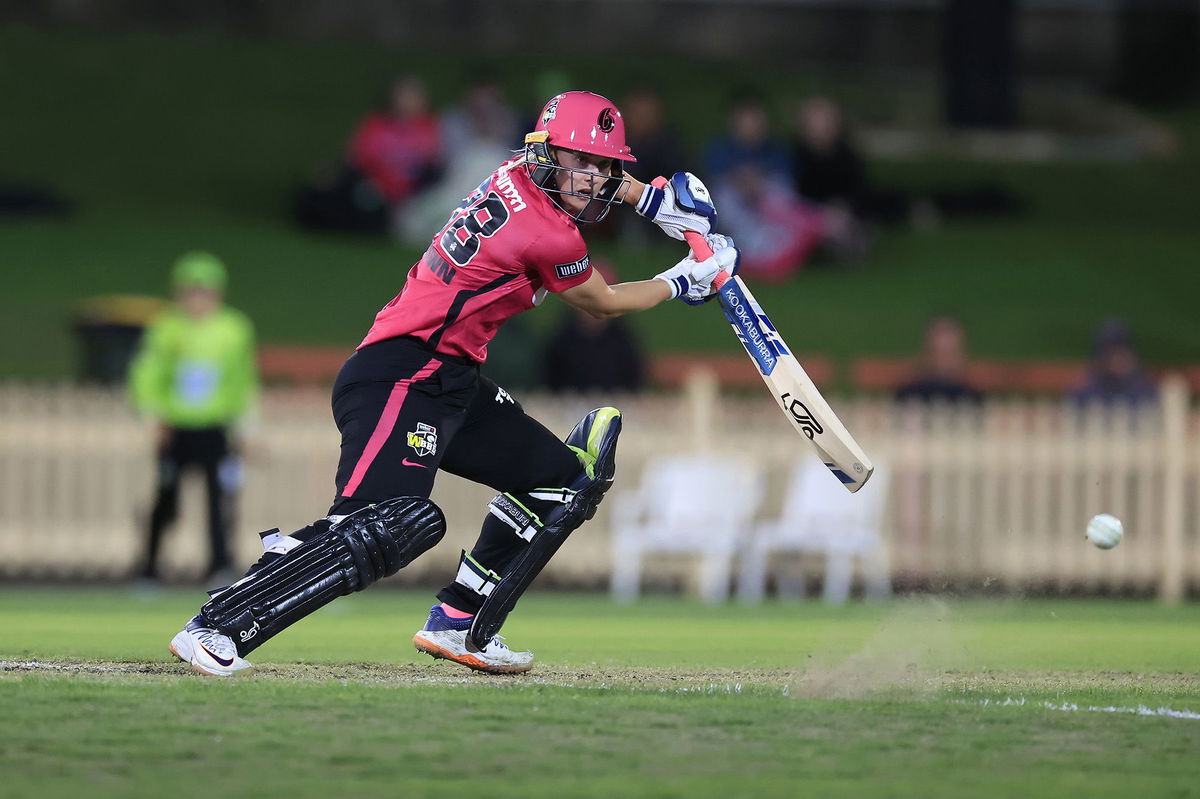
(1105, 531)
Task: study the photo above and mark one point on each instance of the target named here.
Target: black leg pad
(597, 434)
(374, 543)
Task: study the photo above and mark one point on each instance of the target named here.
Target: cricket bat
(802, 404)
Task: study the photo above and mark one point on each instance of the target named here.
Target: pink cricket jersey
(505, 243)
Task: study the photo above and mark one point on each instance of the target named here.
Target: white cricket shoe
(208, 652)
(446, 638)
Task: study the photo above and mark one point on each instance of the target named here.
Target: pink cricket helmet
(587, 123)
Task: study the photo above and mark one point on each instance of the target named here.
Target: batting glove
(692, 281)
(682, 204)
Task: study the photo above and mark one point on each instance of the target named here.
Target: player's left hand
(692, 281)
(682, 204)
(728, 258)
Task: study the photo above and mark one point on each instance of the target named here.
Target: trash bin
(109, 328)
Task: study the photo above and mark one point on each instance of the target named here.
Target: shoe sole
(205, 672)
(468, 660)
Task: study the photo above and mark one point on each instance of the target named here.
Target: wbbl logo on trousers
(423, 440)
(802, 415)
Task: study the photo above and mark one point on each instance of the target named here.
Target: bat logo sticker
(802, 415)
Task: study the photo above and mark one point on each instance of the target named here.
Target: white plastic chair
(696, 504)
(821, 517)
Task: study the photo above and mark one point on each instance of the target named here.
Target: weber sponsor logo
(565, 271)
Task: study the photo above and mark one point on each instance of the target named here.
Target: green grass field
(917, 698)
(170, 143)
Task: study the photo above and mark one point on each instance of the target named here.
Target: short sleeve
(559, 262)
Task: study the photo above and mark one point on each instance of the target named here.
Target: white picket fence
(991, 498)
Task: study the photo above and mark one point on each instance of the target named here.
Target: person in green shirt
(196, 376)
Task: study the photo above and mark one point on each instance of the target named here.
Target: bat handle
(696, 241)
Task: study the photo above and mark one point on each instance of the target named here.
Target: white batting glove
(683, 204)
(691, 280)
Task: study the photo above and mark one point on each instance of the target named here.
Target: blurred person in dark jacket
(941, 370)
(827, 168)
(748, 140)
(658, 147)
(1115, 375)
(655, 140)
(830, 172)
(585, 353)
(589, 354)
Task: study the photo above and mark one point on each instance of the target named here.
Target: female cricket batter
(411, 401)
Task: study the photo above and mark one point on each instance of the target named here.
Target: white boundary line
(1140, 710)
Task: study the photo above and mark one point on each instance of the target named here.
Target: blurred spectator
(747, 140)
(751, 177)
(775, 230)
(941, 370)
(1115, 374)
(477, 132)
(399, 149)
(483, 120)
(650, 136)
(196, 376)
(830, 172)
(589, 354)
(826, 167)
(658, 152)
(394, 153)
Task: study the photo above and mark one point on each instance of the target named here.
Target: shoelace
(217, 643)
(498, 640)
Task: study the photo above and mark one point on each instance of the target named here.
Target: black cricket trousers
(208, 450)
(406, 411)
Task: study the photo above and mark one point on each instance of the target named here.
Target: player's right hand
(692, 281)
(679, 205)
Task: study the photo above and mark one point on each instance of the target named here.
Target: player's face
(199, 301)
(592, 170)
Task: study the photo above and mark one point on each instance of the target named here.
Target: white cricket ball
(1105, 531)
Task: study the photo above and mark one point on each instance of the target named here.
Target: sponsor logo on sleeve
(504, 185)
(574, 268)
